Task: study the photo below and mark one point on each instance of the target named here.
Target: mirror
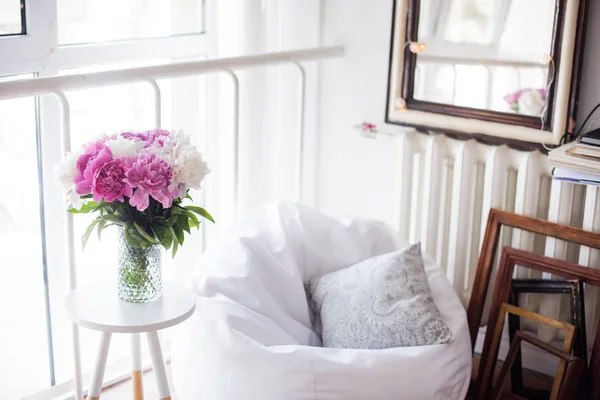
(485, 54)
(495, 68)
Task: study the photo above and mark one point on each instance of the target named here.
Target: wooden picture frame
(574, 289)
(490, 357)
(496, 220)
(574, 369)
(484, 125)
(512, 257)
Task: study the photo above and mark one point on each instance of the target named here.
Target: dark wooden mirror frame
(410, 62)
(408, 72)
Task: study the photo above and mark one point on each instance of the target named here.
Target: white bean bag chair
(251, 336)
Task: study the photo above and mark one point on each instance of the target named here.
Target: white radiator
(447, 189)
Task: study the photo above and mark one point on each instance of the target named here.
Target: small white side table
(98, 307)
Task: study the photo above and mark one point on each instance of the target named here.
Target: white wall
(356, 175)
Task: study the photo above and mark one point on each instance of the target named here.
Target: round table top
(98, 307)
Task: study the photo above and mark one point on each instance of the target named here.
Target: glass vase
(140, 272)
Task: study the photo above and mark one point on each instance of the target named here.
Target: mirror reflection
(485, 54)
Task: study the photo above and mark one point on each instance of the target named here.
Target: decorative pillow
(382, 302)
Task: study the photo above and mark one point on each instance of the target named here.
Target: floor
(124, 390)
(530, 379)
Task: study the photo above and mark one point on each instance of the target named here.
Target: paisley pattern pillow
(378, 303)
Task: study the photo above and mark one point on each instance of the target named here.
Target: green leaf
(144, 234)
(112, 218)
(202, 212)
(88, 232)
(187, 196)
(101, 225)
(86, 208)
(100, 206)
(132, 237)
(164, 235)
(176, 210)
(175, 247)
(193, 222)
(171, 221)
(183, 223)
(177, 233)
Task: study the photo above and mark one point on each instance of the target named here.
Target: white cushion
(381, 302)
(251, 336)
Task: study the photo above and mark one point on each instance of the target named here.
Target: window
(74, 36)
(24, 365)
(86, 21)
(12, 17)
(470, 21)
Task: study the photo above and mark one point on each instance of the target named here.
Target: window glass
(470, 21)
(520, 25)
(10, 17)
(469, 81)
(88, 21)
(24, 361)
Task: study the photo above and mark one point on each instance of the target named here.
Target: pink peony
(157, 137)
(513, 98)
(109, 182)
(143, 136)
(95, 155)
(106, 138)
(150, 176)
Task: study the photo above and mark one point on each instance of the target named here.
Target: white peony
(66, 170)
(121, 147)
(73, 199)
(165, 149)
(531, 103)
(190, 169)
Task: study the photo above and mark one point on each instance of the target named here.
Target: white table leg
(158, 365)
(136, 367)
(96, 385)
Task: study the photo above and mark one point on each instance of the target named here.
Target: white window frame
(38, 52)
(27, 53)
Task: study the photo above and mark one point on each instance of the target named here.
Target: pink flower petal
(139, 200)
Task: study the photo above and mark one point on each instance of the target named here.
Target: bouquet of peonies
(527, 101)
(137, 181)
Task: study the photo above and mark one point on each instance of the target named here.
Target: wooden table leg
(158, 365)
(136, 367)
(96, 384)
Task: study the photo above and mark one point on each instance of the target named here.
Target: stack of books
(578, 161)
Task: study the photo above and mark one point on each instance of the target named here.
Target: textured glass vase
(140, 272)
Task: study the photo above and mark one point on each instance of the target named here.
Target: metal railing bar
(435, 59)
(70, 238)
(300, 134)
(236, 139)
(157, 102)
(49, 85)
(44, 243)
